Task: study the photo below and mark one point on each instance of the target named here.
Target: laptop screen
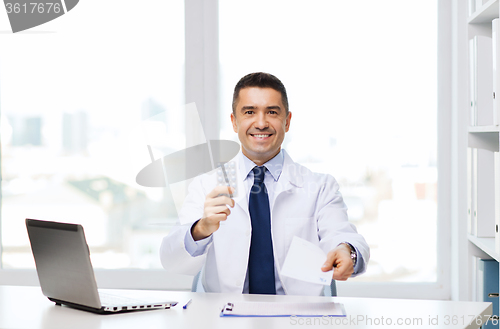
(62, 262)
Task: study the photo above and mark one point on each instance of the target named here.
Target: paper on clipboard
(303, 262)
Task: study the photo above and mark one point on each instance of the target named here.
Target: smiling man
(240, 243)
(261, 120)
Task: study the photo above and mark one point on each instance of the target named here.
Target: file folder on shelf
(471, 207)
(495, 32)
(497, 204)
(487, 284)
(483, 193)
(481, 81)
(472, 7)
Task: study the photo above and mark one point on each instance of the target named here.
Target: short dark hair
(260, 80)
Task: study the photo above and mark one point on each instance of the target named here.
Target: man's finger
(330, 260)
(219, 217)
(224, 199)
(341, 275)
(219, 201)
(343, 270)
(222, 210)
(219, 210)
(221, 189)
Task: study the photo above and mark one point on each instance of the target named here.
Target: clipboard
(276, 309)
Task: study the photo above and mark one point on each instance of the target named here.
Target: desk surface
(26, 307)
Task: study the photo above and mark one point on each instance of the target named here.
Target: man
(242, 249)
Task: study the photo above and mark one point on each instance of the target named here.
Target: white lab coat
(306, 204)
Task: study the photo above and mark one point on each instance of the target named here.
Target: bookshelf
(485, 13)
(483, 138)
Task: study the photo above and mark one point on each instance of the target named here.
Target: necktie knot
(258, 174)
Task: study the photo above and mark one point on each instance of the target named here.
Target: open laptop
(65, 271)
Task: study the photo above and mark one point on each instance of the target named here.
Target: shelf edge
(485, 245)
(483, 129)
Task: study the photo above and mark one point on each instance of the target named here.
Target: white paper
(303, 262)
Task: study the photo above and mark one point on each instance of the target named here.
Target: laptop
(62, 259)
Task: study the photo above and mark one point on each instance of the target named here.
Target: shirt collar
(274, 166)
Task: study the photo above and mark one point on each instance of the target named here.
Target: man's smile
(261, 136)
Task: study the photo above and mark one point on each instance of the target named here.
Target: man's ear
(233, 121)
(288, 119)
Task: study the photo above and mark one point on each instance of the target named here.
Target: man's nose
(261, 121)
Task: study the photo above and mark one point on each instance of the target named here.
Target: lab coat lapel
(288, 179)
(241, 199)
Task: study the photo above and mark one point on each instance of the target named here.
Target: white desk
(26, 307)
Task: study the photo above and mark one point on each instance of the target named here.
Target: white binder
(481, 81)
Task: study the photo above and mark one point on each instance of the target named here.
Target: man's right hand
(215, 210)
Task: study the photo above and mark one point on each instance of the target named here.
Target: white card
(303, 262)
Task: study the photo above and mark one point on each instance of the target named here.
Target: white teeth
(261, 136)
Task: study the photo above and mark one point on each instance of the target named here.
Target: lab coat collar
(288, 178)
(291, 171)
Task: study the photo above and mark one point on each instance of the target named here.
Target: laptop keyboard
(107, 300)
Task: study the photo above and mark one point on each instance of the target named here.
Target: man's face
(260, 122)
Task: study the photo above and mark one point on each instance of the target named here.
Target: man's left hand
(340, 258)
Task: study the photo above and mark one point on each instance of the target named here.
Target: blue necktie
(261, 259)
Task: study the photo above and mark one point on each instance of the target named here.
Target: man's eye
(273, 112)
(248, 112)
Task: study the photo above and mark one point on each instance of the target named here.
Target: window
(75, 105)
(361, 81)
(361, 78)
